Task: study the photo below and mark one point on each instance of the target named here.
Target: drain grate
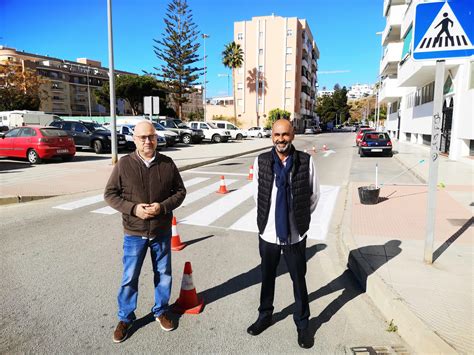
(379, 350)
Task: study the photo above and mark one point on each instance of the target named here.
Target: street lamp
(204, 36)
(228, 76)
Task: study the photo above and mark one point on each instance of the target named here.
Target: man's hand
(153, 209)
(141, 211)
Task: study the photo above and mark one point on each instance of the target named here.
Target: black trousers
(295, 258)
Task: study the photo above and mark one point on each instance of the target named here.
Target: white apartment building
(408, 87)
(358, 91)
(325, 92)
(279, 70)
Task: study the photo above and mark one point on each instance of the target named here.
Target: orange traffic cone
(250, 177)
(222, 188)
(176, 244)
(188, 301)
(325, 147)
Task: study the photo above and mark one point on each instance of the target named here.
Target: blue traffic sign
(444, 30)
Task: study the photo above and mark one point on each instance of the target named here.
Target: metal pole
(434, 161)
(204, 36)
(88, 92)
(112, 85)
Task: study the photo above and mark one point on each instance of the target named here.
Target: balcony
(408, 18)
(390, 91)
(387, 4)
(392, 29)
(391, 58)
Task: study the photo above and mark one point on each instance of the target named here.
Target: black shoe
(259, 326)
(305, 340)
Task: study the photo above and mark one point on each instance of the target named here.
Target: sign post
(442, 30)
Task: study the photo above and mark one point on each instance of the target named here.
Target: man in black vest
(286, 193)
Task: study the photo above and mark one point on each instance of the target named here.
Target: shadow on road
(374, 255)
(9, 165)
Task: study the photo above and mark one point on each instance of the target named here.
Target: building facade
(69, 88)
(359, 91)
(279, 70)
(407, 86)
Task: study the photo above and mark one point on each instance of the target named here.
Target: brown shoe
(121, 332)
(165, 323)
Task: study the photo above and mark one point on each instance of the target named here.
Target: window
(220, 125)
(12, 133)
(125, 130)
(289, 67)
(194, 125)
(80, 128)
(240, 86)
(260, 51)
(407, 44)
(289, 32)
(260, 68)
(203, 126)
(289, 50)
(67, 126)
(27, 132)
(240, 102)
(240, 35)
(288, 84)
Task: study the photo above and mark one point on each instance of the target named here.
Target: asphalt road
(61, 269)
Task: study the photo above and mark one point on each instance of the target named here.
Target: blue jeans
(134, 252)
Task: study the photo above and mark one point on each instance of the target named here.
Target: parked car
(235, 132)
(375, 142)
(312, 130)
(259, 132)
(211, 131)
(360, 133)
(90, 135)
(36, 143)
(128, 130)
(171, 137)
(186, 134)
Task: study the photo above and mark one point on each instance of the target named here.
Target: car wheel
(33, 157)
(98, 147)
(186, 138)
(216, 138)
(361, 153)
(67, 158)
(259, 135)
(239, 137)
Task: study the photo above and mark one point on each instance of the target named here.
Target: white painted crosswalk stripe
(80, 203)
(197, 195)
(207, 215)
(194, 181)
(248, 222)
(105, 210)
(321, 217)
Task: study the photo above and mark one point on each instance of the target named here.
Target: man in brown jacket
(146, 187)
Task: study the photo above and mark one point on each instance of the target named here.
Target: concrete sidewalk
(432, 305)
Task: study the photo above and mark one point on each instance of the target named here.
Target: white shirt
(269, 234)
(146, 162)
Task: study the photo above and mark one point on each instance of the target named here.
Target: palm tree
(233, 57)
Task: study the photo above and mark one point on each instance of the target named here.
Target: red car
(360, 134)
(36, 143)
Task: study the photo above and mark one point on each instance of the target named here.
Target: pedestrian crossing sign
(444, 30)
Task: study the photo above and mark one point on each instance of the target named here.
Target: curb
(412, 171)
(7, 200)
(418, 335)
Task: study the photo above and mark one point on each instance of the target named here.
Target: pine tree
(178, 49)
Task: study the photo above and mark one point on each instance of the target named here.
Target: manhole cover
(380, 350)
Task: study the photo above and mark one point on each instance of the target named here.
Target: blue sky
(344, 30)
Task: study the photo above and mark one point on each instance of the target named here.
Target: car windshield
(93, 126)
(53, 132)
(159, 127)
(375, 136)
(182, 125)
(212, 125)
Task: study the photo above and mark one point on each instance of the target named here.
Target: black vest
(300, 190)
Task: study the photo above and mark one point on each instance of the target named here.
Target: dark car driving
(375, 142)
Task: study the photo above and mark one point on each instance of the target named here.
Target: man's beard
(284, 149)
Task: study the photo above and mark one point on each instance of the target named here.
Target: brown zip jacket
(131, 183)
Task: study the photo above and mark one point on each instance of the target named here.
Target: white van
(172, 138)
(20, 118)
(235, 132)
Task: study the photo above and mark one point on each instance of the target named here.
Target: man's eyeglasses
(151, 137)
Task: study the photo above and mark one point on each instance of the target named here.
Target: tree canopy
(333, 107)
(276, 114)
(233, 58)
(178, 49)
(20, 89)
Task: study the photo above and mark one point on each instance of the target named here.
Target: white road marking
(328, 153)
(247, 222)
(80, 203)
(196, 195)
(105, 210)
(213, 173)
(194, 181)
(207, 215)
(321, 217)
